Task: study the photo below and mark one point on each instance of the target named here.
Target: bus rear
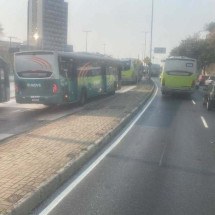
(179, 75)
(132, 70)
(36, 78)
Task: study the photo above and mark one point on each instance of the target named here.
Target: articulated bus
(132, 71)
(4, 81)
(178, 75)
(46, 77)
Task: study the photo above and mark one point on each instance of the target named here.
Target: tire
(83, 98)
(204, 101)
(208, 105)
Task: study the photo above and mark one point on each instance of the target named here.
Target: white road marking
(126, 89)
(3, 136)
(204, 122)
(162, 156)
(15, 111)
(82, 175)
(193, 102)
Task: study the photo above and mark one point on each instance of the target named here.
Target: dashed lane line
(204, 122)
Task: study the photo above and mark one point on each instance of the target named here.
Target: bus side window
(2, 74)
(66, 68)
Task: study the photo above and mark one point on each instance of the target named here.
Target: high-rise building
(47, 24)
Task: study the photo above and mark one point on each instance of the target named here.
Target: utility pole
(10, 40)
(145, 32)
(86, 32)
(152, 19)
(104, 46)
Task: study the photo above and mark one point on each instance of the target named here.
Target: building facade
(47, 24)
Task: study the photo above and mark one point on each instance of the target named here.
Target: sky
(119, 24)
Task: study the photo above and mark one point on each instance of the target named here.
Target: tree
(210, 27)
(201, 49)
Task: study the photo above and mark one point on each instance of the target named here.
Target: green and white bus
(132, 71)
(46, 77)
(4, 81)
(178, 75)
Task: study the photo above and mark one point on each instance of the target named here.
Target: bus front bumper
(177, 90)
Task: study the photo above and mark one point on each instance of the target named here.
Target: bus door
(4, 85)
(104, 79)
(74, 80)
(69, 75)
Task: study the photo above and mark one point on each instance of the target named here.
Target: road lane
(164, 165)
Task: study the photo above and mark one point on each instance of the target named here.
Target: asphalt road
(165, 165)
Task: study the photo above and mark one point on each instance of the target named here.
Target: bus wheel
(83, 98)
(208, 104)
(204, 101)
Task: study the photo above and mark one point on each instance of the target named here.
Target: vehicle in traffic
(48, 77)
(4, 81)
(202, 79)
(209, 96)
(209, 80)
(132, 71)
(155, 70)
(178, 75)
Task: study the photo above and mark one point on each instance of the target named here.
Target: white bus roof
(180, 58)
(74, 55)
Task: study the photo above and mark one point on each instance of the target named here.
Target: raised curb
(26, 205)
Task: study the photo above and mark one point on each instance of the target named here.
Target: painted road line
(193, 102)
(83, 174)
(162, 155)
(126, 89)
(204, 122)
(15, 111)
(3, 136)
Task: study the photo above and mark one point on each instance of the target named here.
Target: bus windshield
(34, 66)
(126, 65)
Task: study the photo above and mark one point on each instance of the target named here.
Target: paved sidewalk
(30, 159)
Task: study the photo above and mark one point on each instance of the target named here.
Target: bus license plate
(35, 100)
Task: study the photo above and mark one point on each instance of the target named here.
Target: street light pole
(86, 38)
(10, 39)
(145, 32)
(104, 45)
(152, 19)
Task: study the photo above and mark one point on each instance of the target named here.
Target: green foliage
(201, 49)
(210, 27)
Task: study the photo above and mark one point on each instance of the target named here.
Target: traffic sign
(160, 50)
